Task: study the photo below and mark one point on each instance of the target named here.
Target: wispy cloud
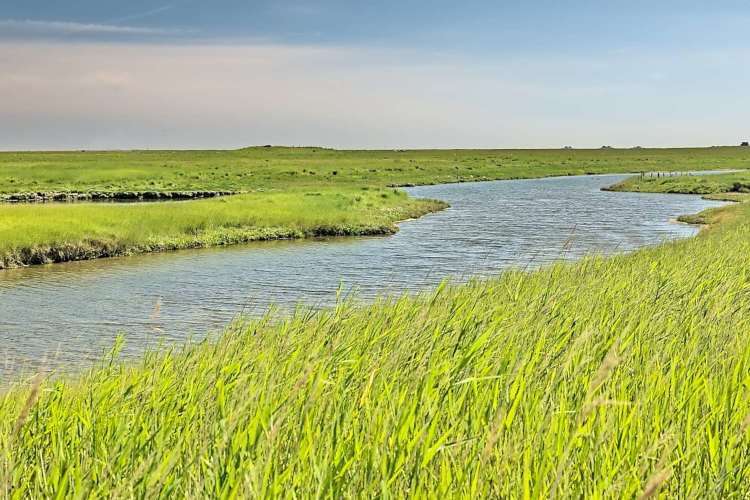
(143, 15)
(30, 27)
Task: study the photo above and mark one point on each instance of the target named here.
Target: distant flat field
(285, 192)
(287, 168)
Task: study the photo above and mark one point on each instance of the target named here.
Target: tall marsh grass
(612, 377)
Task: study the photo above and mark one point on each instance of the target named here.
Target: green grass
(277, 181)
(43, 233)
(736, 184)
(608, 378)
(281, 168)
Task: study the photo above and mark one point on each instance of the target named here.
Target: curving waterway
(66, 315)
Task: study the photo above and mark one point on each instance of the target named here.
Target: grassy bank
(736, 184)
(614, 377)
(734, 187)
(280, 184)
(37, 234)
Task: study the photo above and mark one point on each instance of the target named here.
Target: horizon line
(392, 149)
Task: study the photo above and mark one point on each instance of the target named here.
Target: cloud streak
(143, 15)
(30, 27)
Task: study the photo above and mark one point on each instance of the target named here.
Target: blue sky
(410, 73)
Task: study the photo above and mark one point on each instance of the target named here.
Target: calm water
(65, 315)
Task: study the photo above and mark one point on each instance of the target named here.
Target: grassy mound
(611, 377)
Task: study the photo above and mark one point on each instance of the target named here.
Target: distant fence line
(665, 174)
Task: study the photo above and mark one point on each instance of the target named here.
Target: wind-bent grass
(57, 233)
(611, 377)
(34, 233)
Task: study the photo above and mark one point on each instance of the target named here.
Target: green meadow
(286, 192)
(282, 168)
(616, 377)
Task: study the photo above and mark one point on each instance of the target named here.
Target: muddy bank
(110, 196)
(87, 250)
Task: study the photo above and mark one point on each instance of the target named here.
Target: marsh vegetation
(289, 192)
(610, 377)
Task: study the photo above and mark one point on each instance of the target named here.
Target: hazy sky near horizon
(100, 74)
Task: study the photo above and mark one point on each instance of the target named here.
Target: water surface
(65, 315)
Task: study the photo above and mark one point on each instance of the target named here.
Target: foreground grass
(43, 233)
(279, 182)
(613, 377)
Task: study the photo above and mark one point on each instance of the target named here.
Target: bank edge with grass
(730, 187)
(96, 231)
